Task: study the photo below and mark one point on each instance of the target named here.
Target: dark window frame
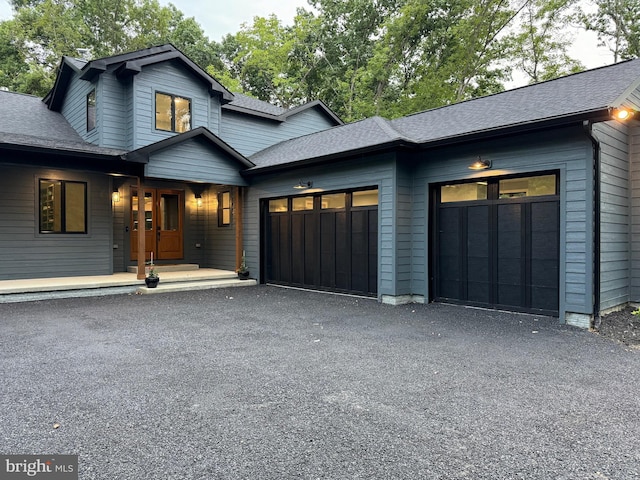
(63, 208)
(173, 111)
(92, 108)
(493, 186)
(221, 209)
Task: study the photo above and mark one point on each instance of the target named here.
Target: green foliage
(42, 31)
(616, 23)
(539, 48)
(361, 57)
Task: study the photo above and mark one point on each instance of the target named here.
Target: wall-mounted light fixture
(115, 195)
(622, 113)
(303, 185)
(198, 199)
(480, 164)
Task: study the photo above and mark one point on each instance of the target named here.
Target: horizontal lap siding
(196, 161)
(25, 253)
(74, 108)
(403, 238)
(614, 214)
(567, 150)
(172, 79)
(634, 141)
(221, 241)
(376, 171)
(115, 112)
(248, 134)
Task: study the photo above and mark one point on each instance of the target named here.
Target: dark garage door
(323, 241)
(497, 243)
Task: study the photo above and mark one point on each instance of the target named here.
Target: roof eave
(379, 148)
(597, 115)
(255, 113)
(315, 104)
(142, 154)
(54, 98)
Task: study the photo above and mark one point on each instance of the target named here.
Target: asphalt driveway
(268, 383)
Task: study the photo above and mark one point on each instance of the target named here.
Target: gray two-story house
(525, 200)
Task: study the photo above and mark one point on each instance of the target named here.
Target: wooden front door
(163, 227)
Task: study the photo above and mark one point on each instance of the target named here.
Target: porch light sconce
(303, 185)
(622, 113)
(198, 199)
(115, 196)
(480, 164)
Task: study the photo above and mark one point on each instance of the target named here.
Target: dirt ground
(621, 326)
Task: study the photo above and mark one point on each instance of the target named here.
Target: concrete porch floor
(25, 290)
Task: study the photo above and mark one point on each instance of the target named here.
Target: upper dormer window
(91, 110)
(173, 114)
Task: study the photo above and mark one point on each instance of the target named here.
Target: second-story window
(91, 110)
(173, 114)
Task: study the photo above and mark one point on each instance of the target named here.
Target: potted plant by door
(152, 278)
(243, 271)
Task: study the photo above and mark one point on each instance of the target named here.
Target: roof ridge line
(389, 128)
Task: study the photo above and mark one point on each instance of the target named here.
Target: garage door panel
(479, 292)
(330, 245)
(544, 245)
(373, 250)
(509, 218)
(450, 289)
(343, 254)
(544, 273)
(544, 298)
(273, 255)
(310, 250)
(297, 248)
(284, 249)
(359, 251)
(510, 294)
(499, 250)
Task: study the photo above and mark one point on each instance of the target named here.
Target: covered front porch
(185, 207)
(173, 279)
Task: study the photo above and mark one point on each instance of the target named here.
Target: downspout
(587, 125)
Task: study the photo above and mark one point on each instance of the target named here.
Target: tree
(617, 26)
(45, 30)
(539, 48)
(437, 52)
(347, 36)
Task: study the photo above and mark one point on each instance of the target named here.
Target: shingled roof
(348, 139)
(125, 65)
(252, 106)
(27, 122)
(582, 96)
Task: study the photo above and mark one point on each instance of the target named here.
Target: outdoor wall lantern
(115, 196)
(480, 164)
(622, 113)
(198, 199)
(303, 185)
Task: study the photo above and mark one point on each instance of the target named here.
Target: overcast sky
(219, 18)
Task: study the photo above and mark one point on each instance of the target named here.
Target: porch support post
(141, 231)
(239, 241)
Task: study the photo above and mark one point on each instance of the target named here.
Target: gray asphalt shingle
(574, 94)
(28, 122)
(583, 92)
(363, 134)
(250, 103)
